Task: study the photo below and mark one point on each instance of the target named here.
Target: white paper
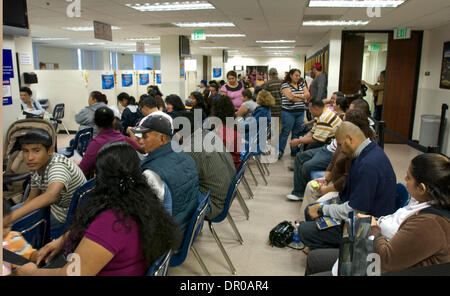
(25, 59)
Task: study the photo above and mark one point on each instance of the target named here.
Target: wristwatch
(320, 211)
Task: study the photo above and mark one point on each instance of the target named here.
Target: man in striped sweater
(323, 131)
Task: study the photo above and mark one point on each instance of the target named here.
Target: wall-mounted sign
(403, 33)
(217, 72)
(144, 79)
(158, 78)
(108, 81)
(7, 97)
(8, 69)
(102, 31)
(127, 80)
(140, 46)
(198, 35)
(374, 47)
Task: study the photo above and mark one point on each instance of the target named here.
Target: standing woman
(233, 89)
(131, 114)
(378, 95)
(85, 118)
(121, 229)
(294, 94)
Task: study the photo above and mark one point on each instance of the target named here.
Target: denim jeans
(55, 225)
(306, 162)
(291, 122)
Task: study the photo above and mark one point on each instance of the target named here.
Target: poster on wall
(127, 80)
(445, 71)
(108, 81)
(144, 79)
(7, 97)
(217, 72)
(8, 69)
(158, 78)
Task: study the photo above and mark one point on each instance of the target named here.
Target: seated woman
(248, 105)
(104, 120)
(197, 102)
(120, 230)
(338, 168)
(223, 109)
(131, 114)
(85, 118)
(340, 106)
(30, 105)
(416, 235)
(174, 106)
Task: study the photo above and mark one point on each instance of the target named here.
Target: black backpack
(282, 234)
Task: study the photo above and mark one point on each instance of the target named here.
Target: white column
(171, 83)
(217, 62)
(334, 59)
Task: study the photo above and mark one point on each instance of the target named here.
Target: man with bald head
(370, 188)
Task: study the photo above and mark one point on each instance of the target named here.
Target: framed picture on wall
(445, 71)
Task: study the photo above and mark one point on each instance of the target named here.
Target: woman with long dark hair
(121, 229)
(233, 89)
(294, 94)
(131, 114)
(174, 105)
(197, 102)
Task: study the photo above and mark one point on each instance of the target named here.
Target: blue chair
(80, 195)
(34, 227)
(195, 225)
(402, 196)
(232, 192)
(317, 174)
(79, 143)
(161, 266)
(58, 114)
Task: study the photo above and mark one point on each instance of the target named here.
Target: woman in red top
(223, 109)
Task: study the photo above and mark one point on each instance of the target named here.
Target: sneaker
(280, 155)
(294, 197)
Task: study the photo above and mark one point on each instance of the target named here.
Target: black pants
(321, 261)
(378, 112)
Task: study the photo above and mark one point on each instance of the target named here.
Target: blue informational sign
(127, 80)
(144, 79)
(217, 72)
(8, 68)
(7, 98)
(108, 81)
(158, 78)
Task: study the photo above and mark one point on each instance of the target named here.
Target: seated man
(326, 123)
(177, 170)
(104, 120)
(370, 188)
(54, 180)
(216, 169)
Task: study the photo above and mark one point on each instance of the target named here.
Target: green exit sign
(403, 33)
(198, 35)
(374, 47)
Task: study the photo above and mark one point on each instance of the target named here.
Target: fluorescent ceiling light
(49, 38)
(335, 23)
(275, 41)
(277, 47)
(214, 47)
(204, 25)
(174, 6)
(224, 35)
(89, 28)
(353, 3)
(89, 43)
(143, 39)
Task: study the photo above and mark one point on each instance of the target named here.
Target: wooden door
(352, 55)
(402, 74)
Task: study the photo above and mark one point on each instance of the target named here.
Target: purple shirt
(235, 94)
(128, 257)
(87, 165)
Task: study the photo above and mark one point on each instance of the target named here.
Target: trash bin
(429, 130)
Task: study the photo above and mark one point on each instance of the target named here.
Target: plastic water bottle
(296, 244)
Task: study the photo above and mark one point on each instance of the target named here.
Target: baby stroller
(16, 174)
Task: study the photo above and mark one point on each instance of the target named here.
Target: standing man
(273, 86)
(319, 84)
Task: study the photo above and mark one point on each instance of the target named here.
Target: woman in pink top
(233, 89)
(120, 230)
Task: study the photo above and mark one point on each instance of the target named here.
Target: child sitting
(54, 180)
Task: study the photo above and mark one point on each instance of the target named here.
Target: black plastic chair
(79, 143)
(58, 114)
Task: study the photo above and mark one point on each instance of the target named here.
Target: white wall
(281, 64)
(429, 96)
(57, 55)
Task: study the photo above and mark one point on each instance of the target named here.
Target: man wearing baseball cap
(177, 169)
(319, 84)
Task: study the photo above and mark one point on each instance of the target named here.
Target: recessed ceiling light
(277, 47)
(224, 35)
(83, 29)
(275, 41)
(204, 25)
(174, 6)
(353, 3)
(143, 38)
(335, 23)
(49, 38)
